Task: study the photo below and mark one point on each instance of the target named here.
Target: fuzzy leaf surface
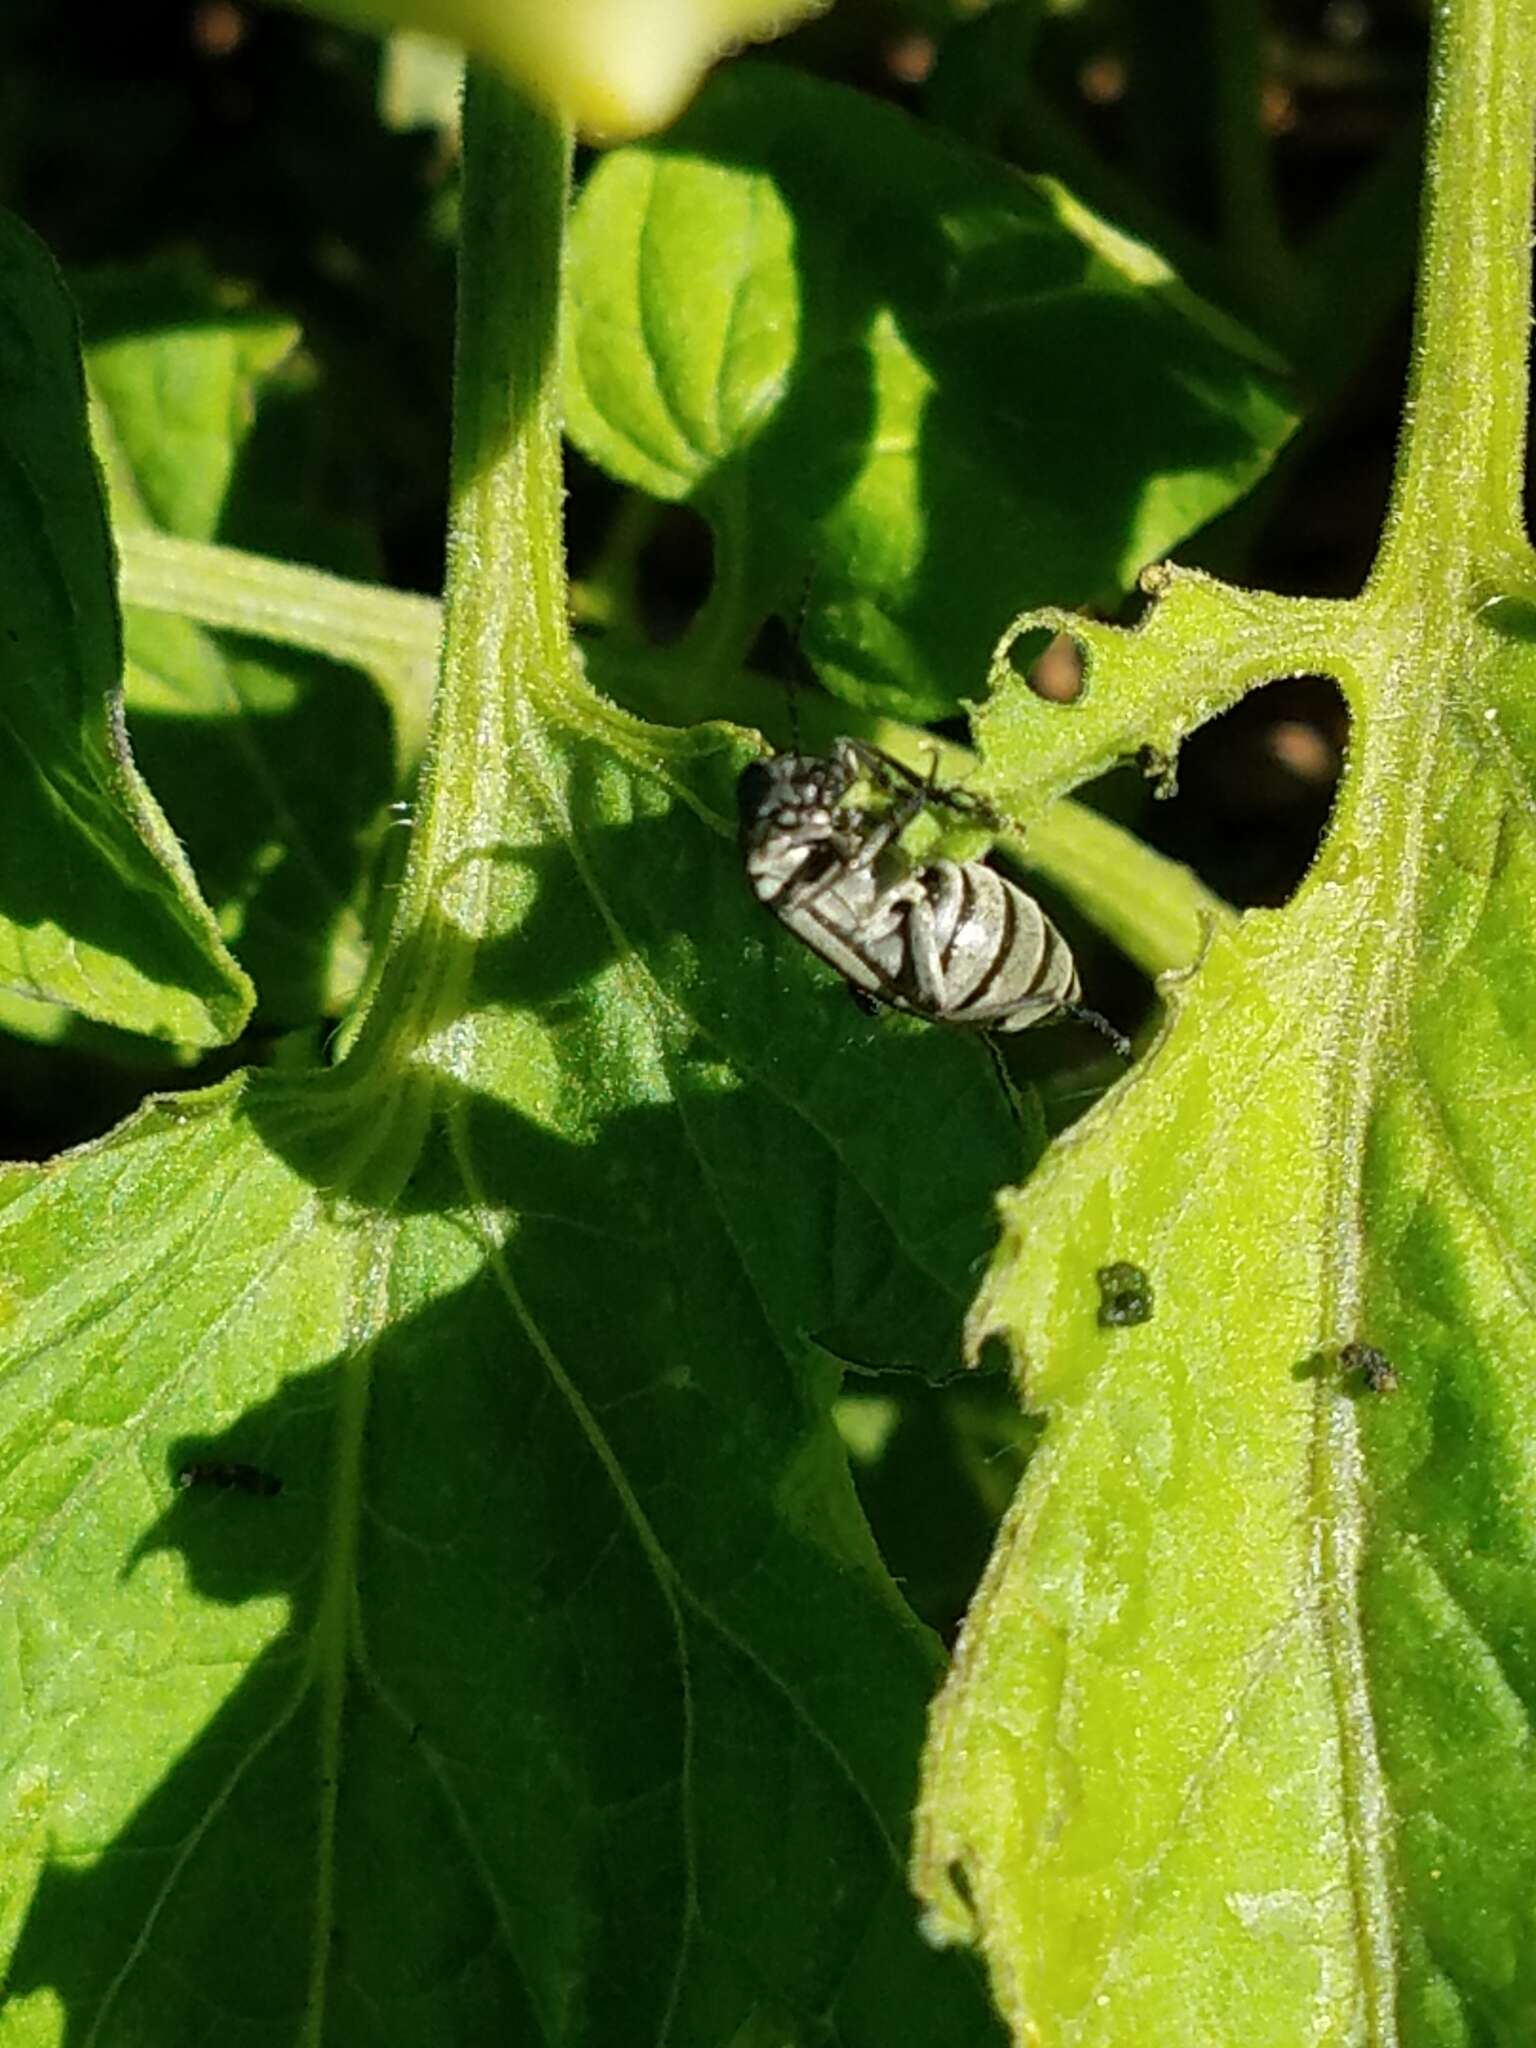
(1239, 1723)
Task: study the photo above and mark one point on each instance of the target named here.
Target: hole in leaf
(1057, 671)
(1050, 664)
(934, 1467)
(1254, 791)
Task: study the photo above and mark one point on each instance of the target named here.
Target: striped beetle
(955, 942)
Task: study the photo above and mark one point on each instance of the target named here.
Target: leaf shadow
(543, 1633)
(1049, 398)
(273, 803)
(591, 1683)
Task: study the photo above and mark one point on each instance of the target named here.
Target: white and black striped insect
(953, 941)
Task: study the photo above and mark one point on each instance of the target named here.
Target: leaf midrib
(1401, 761)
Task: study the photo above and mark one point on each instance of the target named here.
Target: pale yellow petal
(616, 68)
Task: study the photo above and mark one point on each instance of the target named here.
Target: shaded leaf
(861, 350)
(174, 375)
(98, 908)
(565, 1584)
(274, 765)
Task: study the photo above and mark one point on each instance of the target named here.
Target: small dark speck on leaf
(1125, 1296)
(1374, 1367)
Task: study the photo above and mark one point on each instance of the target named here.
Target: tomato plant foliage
(551, 1685)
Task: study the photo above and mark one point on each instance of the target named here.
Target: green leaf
(273, 765)
(1236, 1744)
(565, 1587)
(175, 377)
(1161, 1771)
(534, 1672)
(858, 348)
(98, 908)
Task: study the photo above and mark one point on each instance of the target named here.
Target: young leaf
(1236, 1743)
(174, 378)
(98, 909)
(860, 349)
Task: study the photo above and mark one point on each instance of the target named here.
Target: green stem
(505, 606)
(723, 628)
(390, 633)
(1157, 911)
(1455, 504)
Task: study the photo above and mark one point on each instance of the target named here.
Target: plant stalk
(505, 602)
(1455, 509)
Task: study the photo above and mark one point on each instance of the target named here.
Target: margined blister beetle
(953, 941)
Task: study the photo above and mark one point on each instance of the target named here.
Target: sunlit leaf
(869, 356)
(1237, 1725)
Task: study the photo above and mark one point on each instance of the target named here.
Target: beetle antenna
(1081, 1014)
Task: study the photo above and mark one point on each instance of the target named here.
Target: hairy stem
(505, 605)
(1456, 493)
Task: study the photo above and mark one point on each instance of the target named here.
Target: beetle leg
(860, 757)
(925, 957)
(858, 761)
(894, 905)
(932, 901)
(881, 835)
(944, 886)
